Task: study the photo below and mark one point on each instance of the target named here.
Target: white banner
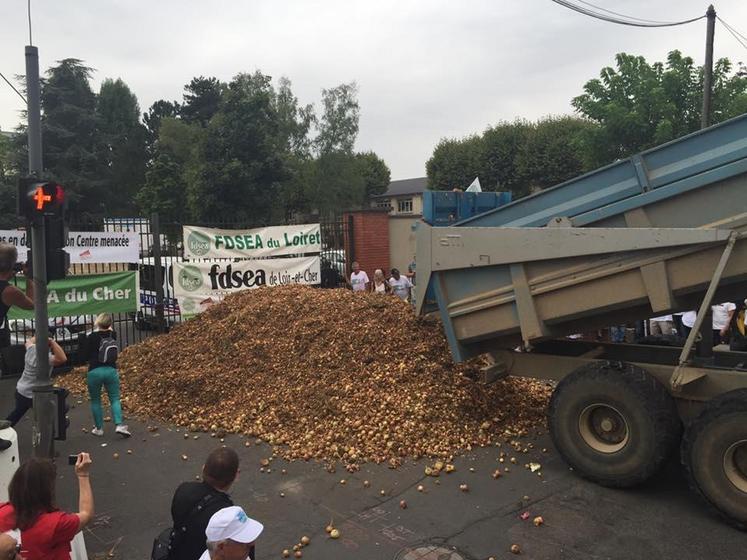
(211, 243)
(86, 246)
(199, 285)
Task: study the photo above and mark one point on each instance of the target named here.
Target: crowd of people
(398, 284)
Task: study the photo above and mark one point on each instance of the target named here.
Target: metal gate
(158, 310)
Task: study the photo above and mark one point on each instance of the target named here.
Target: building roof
(405, 186)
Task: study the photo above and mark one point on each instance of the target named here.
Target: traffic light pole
(44, 398)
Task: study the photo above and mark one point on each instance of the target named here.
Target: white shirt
(662, 318)
(720, 316)
(205, 555)
(359, 280)
(30, 377)
(400, 287)
(380, 288)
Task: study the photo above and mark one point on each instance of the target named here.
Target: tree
(550, 154)
(334, 181)
(8, 178)
(455, 163)
(375, 174)
(338, 127)
(240, 159)
(294, 121)
(69, 133)
(121, 145)
(152, 120)
(164, 190)
(639, 105)
(502, 144)
(172, 169)
(201, 100)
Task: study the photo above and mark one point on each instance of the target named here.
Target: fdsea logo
(190, 278)
(198, 243)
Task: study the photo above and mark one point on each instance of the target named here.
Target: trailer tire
(613, 423)
(714, 454)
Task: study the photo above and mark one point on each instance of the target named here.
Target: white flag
(475, 186)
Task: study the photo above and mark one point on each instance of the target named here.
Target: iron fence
(157, 309)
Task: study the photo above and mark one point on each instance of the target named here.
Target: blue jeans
(617, 333)
(104, 376)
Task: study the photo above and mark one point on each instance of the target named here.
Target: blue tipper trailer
(660, 232)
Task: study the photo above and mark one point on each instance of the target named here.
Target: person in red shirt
(46, 532)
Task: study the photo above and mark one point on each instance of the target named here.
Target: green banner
(86, 295)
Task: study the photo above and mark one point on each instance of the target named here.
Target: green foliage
(201, 100)
(8, 178)
(375, 173)
(516, 157)
(241, 162)
(69, 134)
(338, 127)
(152, 120)
(550, 153)
(640, 105)
(121, 146)
(455, 163)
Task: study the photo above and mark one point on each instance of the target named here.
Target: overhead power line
(598, 13)
(12, 87)
(741, 39)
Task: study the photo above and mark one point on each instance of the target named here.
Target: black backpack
(108, 351)
(169, 539)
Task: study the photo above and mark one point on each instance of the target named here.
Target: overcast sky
(426, 69)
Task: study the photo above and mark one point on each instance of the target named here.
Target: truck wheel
(714, 453)
(613, 423)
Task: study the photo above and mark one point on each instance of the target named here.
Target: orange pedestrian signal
(39, 198)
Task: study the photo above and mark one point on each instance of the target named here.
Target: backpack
(108, 351)
(170, 538)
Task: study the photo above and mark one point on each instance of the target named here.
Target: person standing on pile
(400, 285)
(380, 285)
(359, 279)
(101, 349)
(10, 296)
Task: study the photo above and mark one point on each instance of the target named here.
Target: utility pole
(44, 397)
(705, 119)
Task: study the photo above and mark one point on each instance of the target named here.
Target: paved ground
(582, 521)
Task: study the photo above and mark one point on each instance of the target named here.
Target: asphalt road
(581, 521)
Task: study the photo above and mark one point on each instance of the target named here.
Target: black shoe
(4, 444)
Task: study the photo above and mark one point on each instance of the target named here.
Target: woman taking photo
(46, 532)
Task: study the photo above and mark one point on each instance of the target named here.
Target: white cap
(233, 523)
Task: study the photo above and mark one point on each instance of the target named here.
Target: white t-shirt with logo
(400, 287)
(359, 280)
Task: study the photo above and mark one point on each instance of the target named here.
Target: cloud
(426, 70)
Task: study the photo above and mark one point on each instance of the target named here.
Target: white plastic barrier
(9, 460)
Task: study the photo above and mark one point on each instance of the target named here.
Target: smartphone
(72, 459)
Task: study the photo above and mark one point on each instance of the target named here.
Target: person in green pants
(102, 372)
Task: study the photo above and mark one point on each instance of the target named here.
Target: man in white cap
(230, 535)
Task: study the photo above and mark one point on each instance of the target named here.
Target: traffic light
(37, 199)
(43, 202)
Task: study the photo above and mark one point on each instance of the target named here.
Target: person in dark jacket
(10, 296)
(103, 373)
(194, 503)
